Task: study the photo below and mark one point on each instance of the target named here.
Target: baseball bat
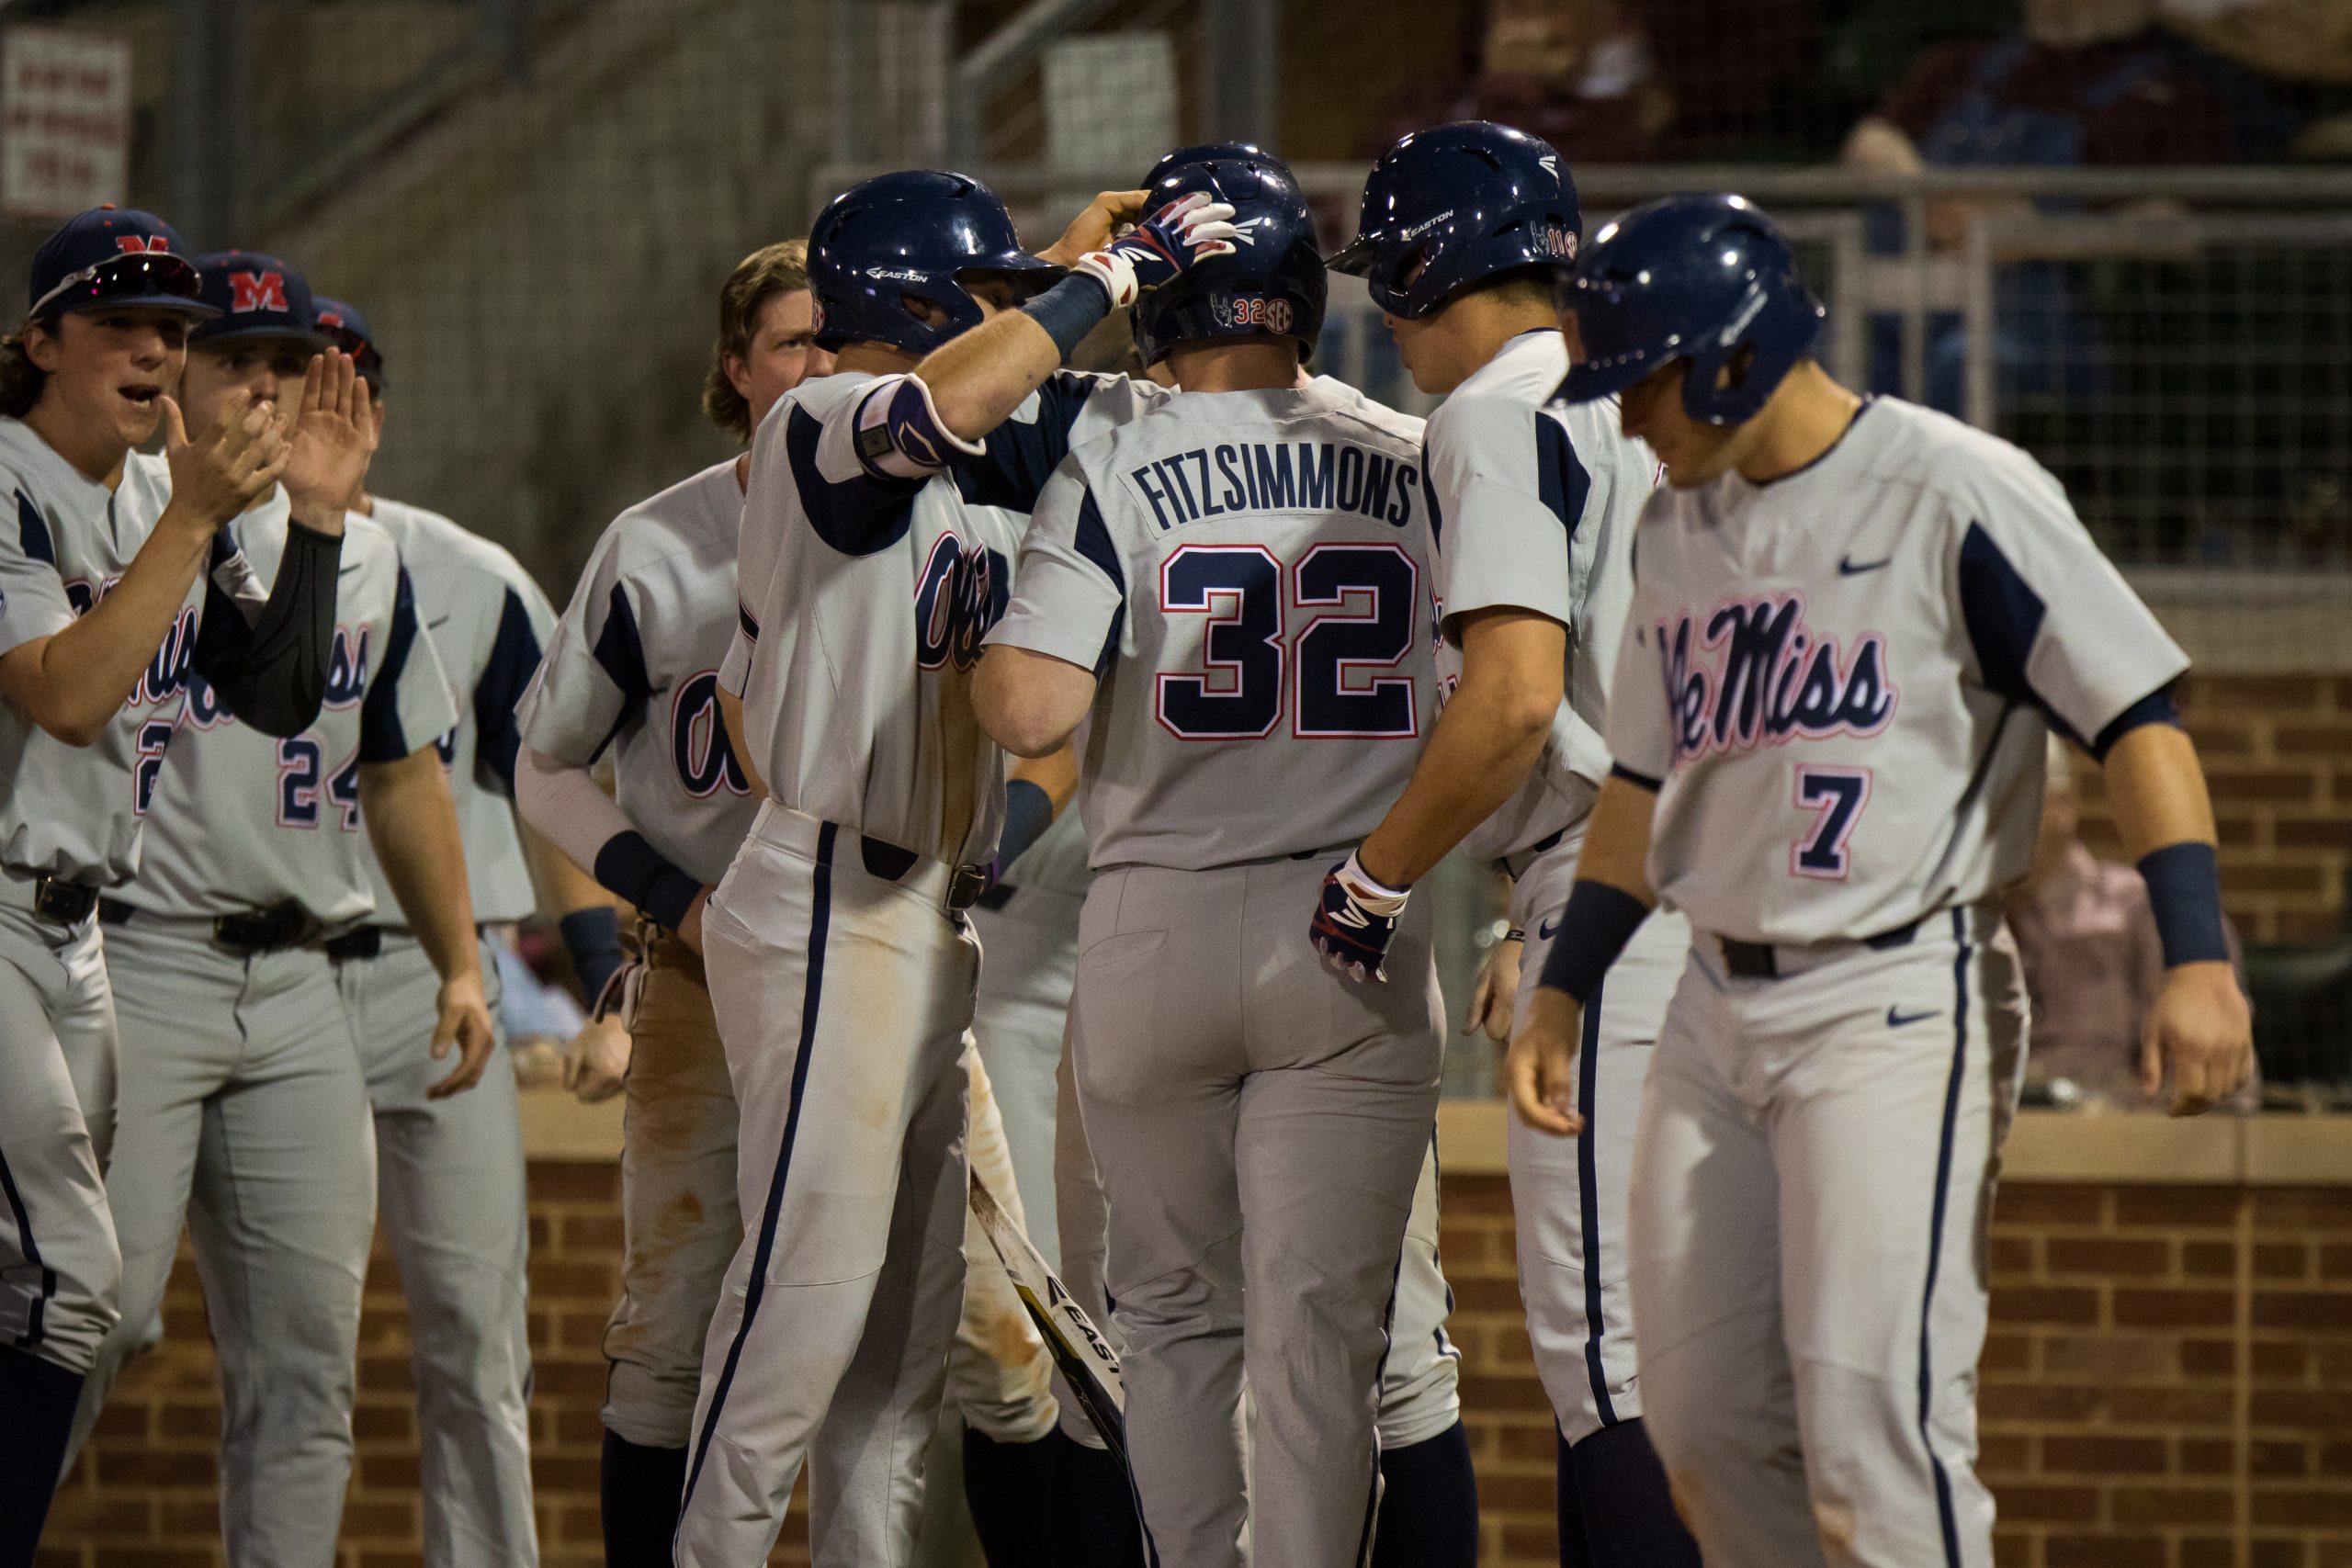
(1087, 1362)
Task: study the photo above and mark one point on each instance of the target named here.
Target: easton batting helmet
(1272, 285)
(1706, 279)
(917, 233)
(1454, 206)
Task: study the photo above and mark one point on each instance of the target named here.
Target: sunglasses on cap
(158, 278)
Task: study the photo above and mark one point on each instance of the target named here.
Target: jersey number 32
(1357, 605)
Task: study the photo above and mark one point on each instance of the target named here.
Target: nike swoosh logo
(1896, 1018)
(1849, 566)
(1546, 929)
(347, 570)
(442, 622)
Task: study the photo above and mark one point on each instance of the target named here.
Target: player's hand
(690, 929)
(1354, 920)
(1497, 993)
(333, 441)
(217, 474)
(2201, 1035)
(462, 1024)
(1540, 1069)
(1109, 212)
(595, 1061)
(1163, 247)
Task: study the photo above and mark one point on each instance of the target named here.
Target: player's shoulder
(821, 398)
(1523, 374)
(26, 460)
(700, 517)
(431, 543)
(1352, 404)
(1912, 447)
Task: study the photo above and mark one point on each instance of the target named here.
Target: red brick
(2039, 1203)
(2015, 1304)
(2104, 1551)
(2278, 1553)
(2207, 1455)
(2330, 1509)
(2177, 1208)
(2298, 787)
(2279, 1461)
(2174, 1407)
(2209, 1259)
(2281, 1360)
(2134, 1256)
(2303, 1309)
(2022, 1504)
(2297, 1210)
(2103, 1455)
(2257, 693)
(2175, 1309)
(2208, 1358)
(2006, 1353)
(2312, 834)
(598, 1182)
(2012, 1255)
(2170, 1506)
(2323, 1410)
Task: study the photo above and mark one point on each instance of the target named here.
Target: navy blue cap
(349, 329)
(114, 256)
(255, 296)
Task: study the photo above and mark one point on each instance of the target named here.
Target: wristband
(1594, 928)
(1028, 812)
(638, 873)
(1070, 309)
(1515, 934)
(2185, 895)
(593, 938)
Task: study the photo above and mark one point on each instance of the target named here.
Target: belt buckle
(67, 903)
(1749, 960)
(965, 887)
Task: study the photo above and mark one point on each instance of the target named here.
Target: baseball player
(1257, 1125)
(635, 663)
(243, 1109)
(1467, 234)
(450, 1166)
(866, 583)
(107, 600)
(1852, 621)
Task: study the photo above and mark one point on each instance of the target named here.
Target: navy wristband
(638, 873)
(593, 938)
(1594, 928)
(2185, 895)
(1028, 812)
(1070, 309)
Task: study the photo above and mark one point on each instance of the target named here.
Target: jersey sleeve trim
(2156, 708)
(1640, 780)
(861, 516)
(1020, 455)
(2004, 615)
(32, 532)
(1092, 538)
(1560, 478)
(514, 655)
(383, 738)
(620, 653)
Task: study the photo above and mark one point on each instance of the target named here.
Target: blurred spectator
(1580, 73)
(2093, 962)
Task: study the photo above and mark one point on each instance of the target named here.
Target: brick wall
(2170, 1372)
(2278, 754)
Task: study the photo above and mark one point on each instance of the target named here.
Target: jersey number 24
(1359, 604)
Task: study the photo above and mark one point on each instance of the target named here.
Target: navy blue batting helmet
(1272, 285)
(1706, 279)
(1454, 206)
(918, 233)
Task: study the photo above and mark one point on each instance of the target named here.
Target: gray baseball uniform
(243, 1108)
(71, 815)
(449, 1172)
(1838, 681)
(1246, 573)
(1539, 507)
(843, 970)
(633, 669)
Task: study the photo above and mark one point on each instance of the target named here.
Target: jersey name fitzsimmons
(1278, 476)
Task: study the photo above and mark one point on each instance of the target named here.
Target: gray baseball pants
(1259, 1121)
(450, 1200)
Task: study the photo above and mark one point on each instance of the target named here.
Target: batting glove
(1356, 919)
(1162, 247)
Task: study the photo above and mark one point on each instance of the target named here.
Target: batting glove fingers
(1354, 920)
(1162, 247)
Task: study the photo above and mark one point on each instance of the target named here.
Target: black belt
(67, 903)
(359, 941)
(1761, 959)
(246, 933)
(889, 862)
(1515, 865)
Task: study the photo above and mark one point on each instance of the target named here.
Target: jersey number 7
(1359, 602)
(1837, 795)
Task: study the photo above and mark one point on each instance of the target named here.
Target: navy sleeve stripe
(743, 618)
(381, 737)
(2003, 614)
(1429, 489)
(1093, 540)
(620, 651)
(514, 659)
(1022, 454)
(1620, 771)
(1560, 478)
(32, 531)
(859, 516)
(2156, 708)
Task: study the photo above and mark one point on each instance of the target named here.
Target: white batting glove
(1162, 247)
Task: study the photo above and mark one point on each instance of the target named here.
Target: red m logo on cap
(256, 291)
(136, 244)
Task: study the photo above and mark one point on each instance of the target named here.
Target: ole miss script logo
(1759, 676)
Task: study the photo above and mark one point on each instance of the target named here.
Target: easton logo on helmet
(896, 274)
(1426, 224)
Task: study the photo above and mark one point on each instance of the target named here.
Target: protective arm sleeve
(563, 803)
(271, 670)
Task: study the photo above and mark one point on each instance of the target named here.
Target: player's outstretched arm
(2199, 1033)
(1030, 703)
(973, 382)
(1490, 735)
(412, 826)
(72, 681)
(1612, 896)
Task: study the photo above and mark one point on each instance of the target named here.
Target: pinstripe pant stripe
(1946, 1517)
(1588, 1206)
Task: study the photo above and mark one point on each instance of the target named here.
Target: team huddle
(1020, 777)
